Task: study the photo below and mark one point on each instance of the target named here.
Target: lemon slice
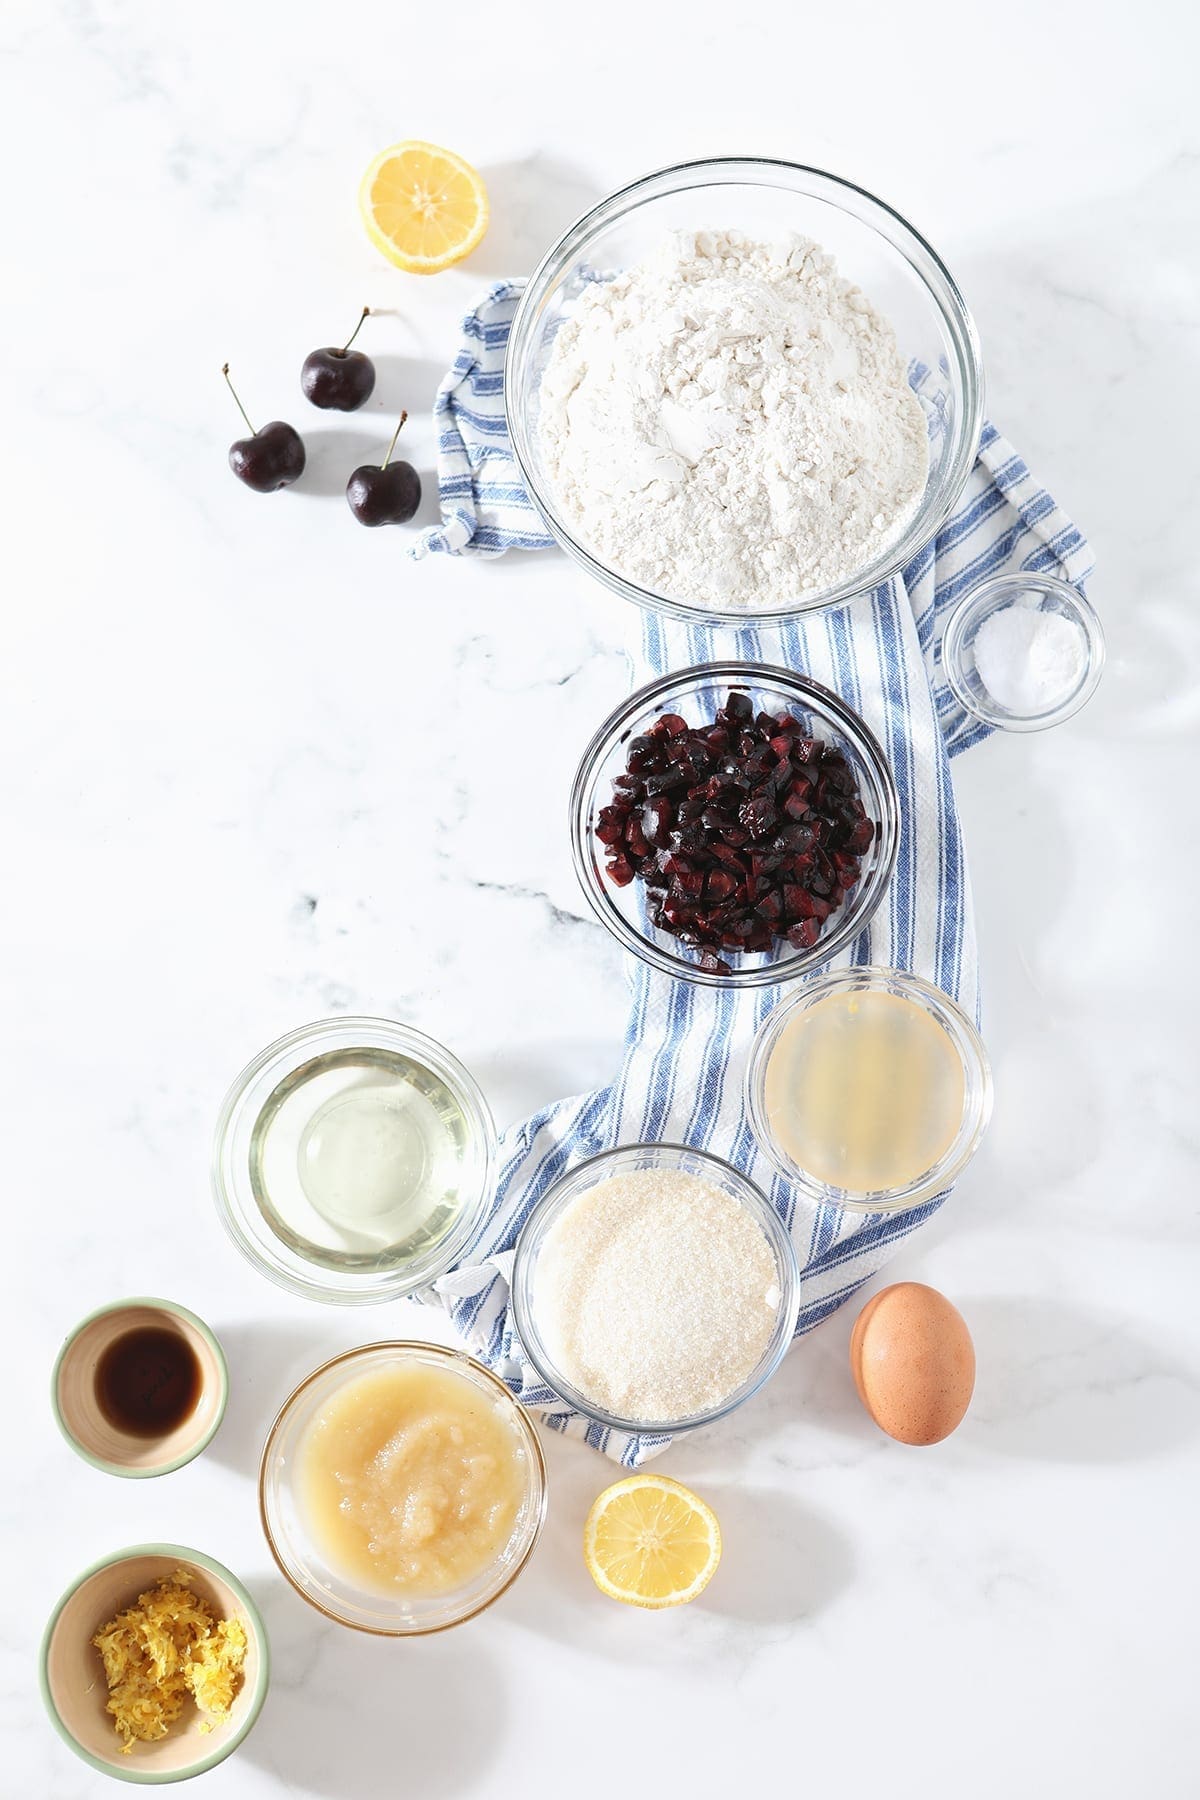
(423, 207)
(651, 1542)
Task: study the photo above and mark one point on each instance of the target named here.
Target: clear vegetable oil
(356, 1159)
(864, 1091)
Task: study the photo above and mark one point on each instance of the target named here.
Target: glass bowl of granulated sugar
(655, 1288)
(743, 389)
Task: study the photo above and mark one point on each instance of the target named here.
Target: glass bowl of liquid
(402, 1488)
(869, 1089)
(353, 1160)
(768, 200)
(139, 1387)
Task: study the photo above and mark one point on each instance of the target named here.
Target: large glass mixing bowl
(875, 248)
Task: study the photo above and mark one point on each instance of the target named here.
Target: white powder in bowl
(1029, 661)
(730, 423)
(656, 1294)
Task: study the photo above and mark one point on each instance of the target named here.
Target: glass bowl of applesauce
(402, 1488)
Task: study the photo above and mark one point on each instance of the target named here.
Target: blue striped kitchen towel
(680, 1077)
(485, 508)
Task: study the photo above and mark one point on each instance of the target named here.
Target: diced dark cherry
(758, 816)
(712, 964)
(657, 820)
(797, 901)
(746, 831)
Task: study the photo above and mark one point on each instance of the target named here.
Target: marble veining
(258, 767)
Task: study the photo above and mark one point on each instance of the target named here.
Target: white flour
(730, 422)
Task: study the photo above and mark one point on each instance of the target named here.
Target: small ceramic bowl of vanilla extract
(140, 1387)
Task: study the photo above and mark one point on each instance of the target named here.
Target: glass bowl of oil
(869, 1089)
(353, 1160)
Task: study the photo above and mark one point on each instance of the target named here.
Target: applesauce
(411, 1480)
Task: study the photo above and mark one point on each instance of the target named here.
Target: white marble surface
(258, 768)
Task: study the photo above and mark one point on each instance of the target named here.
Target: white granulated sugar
(1029, 661)
(656, 1294)
(730, 422)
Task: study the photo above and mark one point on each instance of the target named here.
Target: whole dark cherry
(271, 457)
(339, 380)
(386, 493)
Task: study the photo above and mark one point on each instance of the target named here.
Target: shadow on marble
(533, 200)
(355, 1717)
(1093, 372)
(1062, 1383)
(1018, 849)
(520, 1082)
(266, 1361)
(334, 454)
(780, 1562)
(407, 384)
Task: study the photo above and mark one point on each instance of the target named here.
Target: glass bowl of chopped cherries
(735, 825)
(743, 389)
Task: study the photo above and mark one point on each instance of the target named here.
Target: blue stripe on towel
(682, 1070)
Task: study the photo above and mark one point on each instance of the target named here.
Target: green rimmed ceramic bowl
(72, 1676)
(77, 1407)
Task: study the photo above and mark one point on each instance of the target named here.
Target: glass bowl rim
(566, 1188)
(942, 289)
(977, 1078)
(371, 1032)
(868, 896)
(981, 600)
(537, 1485)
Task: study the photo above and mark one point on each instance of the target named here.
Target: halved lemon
(423, 207)
(649, 1541)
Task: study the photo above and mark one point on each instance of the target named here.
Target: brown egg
(913, 1363)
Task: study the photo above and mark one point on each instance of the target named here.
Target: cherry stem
(387, 459)
(240, 407)
(354, 333)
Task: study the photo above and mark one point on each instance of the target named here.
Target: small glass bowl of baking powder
(1023, 652)
(644, 1270)
(875, 248)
